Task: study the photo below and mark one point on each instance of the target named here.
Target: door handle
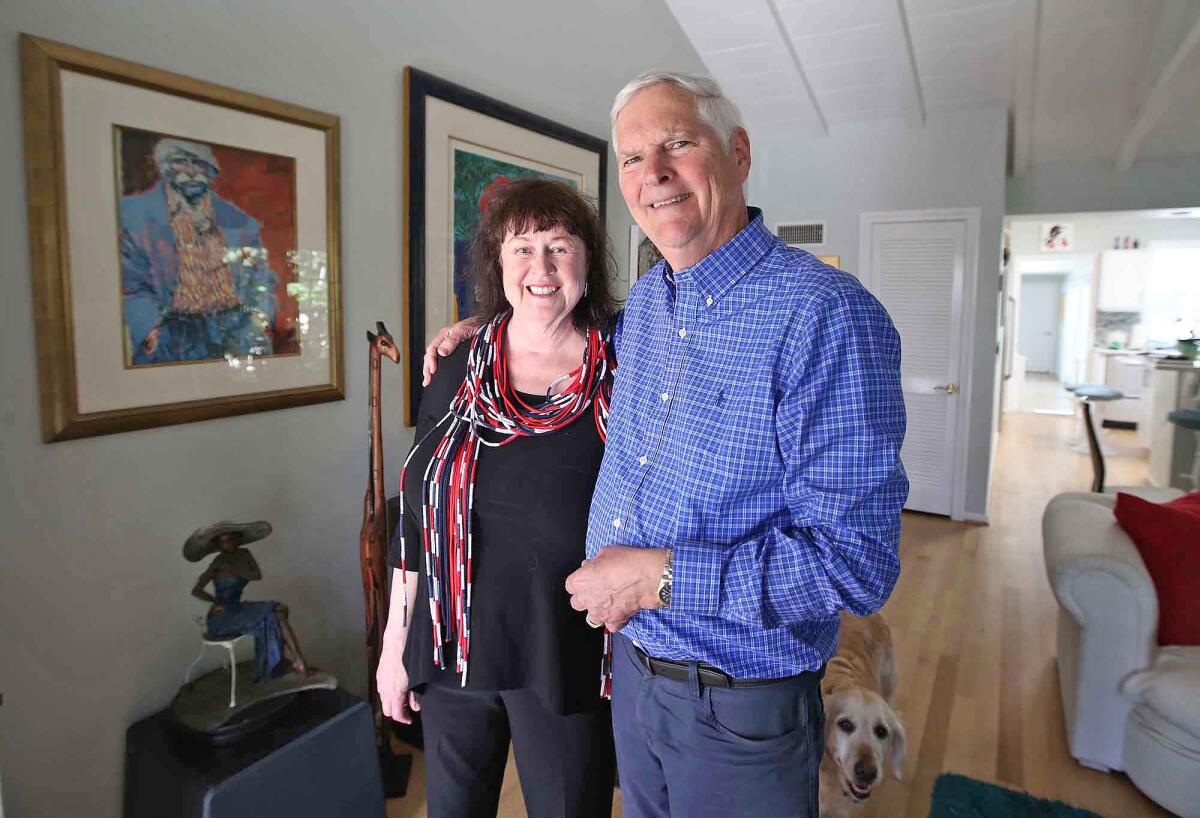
(948, 388)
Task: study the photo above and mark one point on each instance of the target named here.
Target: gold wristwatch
(664, 582)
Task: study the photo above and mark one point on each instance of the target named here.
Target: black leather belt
(708, 675)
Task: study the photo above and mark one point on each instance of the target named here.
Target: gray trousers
(690, 751)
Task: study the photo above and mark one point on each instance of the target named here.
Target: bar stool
(1088, 394)
(1077, 443)
(1190, 419)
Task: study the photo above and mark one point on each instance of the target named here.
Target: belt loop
(694, 678)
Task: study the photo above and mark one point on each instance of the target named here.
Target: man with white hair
(751, 485)
(195, 278)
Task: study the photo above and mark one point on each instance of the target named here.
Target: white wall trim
(1052, 259)
(991, 470)
(973, 517)
(972, 216)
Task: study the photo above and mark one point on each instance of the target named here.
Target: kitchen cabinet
(1147, 426)
(1174, 385)
(1097, 366)
(1122, 280)
(1159, 430)
(1125, 374)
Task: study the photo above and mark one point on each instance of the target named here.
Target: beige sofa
(1129, 704)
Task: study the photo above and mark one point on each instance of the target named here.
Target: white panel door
(1038, 342)
(916, 269)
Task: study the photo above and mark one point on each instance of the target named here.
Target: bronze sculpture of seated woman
(276, 650)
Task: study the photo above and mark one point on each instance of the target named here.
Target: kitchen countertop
(1182, 366)
(1111, 351)
(1157, 361)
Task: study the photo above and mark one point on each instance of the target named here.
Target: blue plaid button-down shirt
(755, 429)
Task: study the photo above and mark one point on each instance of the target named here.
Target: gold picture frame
(94, 377)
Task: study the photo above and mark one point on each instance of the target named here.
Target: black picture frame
(419, 88)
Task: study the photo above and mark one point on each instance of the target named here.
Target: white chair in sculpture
(229, 644)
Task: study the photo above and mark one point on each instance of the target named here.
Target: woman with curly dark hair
(497, 487)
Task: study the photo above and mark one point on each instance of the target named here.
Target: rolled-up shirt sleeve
(840, 423)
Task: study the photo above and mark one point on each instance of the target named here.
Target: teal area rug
(956, 796)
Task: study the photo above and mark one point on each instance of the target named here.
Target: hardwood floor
(973, 620)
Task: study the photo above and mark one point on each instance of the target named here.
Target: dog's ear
(897, 743)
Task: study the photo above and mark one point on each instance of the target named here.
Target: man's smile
(673, 200)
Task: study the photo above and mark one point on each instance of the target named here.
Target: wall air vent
(802, 235)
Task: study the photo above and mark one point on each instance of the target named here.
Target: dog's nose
(865, 772)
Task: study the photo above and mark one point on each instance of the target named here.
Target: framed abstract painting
(461, 148)
(184, 242)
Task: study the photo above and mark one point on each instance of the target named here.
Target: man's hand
(446, 341)
(618, 583)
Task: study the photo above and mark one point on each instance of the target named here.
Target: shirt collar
(719, 270)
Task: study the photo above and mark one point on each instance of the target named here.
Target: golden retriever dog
(863, 735)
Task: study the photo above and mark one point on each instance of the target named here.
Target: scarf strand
(486, 402)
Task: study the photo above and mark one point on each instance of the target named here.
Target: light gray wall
(96, 625)
(955, 160)
(1077, 187)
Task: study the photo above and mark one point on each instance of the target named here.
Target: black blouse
(530, 519)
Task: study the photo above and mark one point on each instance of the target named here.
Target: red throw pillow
(1168, 537)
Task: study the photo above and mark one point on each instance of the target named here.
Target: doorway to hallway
(1043, 394)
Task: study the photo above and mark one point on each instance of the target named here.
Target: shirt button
(666, 396)
(682, 333)
(643, 460)
(617, 522)
(708, 301)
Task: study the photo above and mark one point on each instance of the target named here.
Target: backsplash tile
(1107, 322)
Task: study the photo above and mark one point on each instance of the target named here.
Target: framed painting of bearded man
(461, 149)
(184, 243)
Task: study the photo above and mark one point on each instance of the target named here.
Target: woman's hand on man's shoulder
(444, 343)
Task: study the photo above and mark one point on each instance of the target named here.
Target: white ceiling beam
(757, 50)
(802, 76)
(1146, 38)
(1027, 34)
(915, 105)
(1158, 100)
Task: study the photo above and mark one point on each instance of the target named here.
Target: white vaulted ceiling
(1082, 79)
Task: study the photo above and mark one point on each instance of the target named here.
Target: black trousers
(566, 763)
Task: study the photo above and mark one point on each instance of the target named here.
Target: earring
(586, 288)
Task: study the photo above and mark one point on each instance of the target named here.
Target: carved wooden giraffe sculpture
(372, 538)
